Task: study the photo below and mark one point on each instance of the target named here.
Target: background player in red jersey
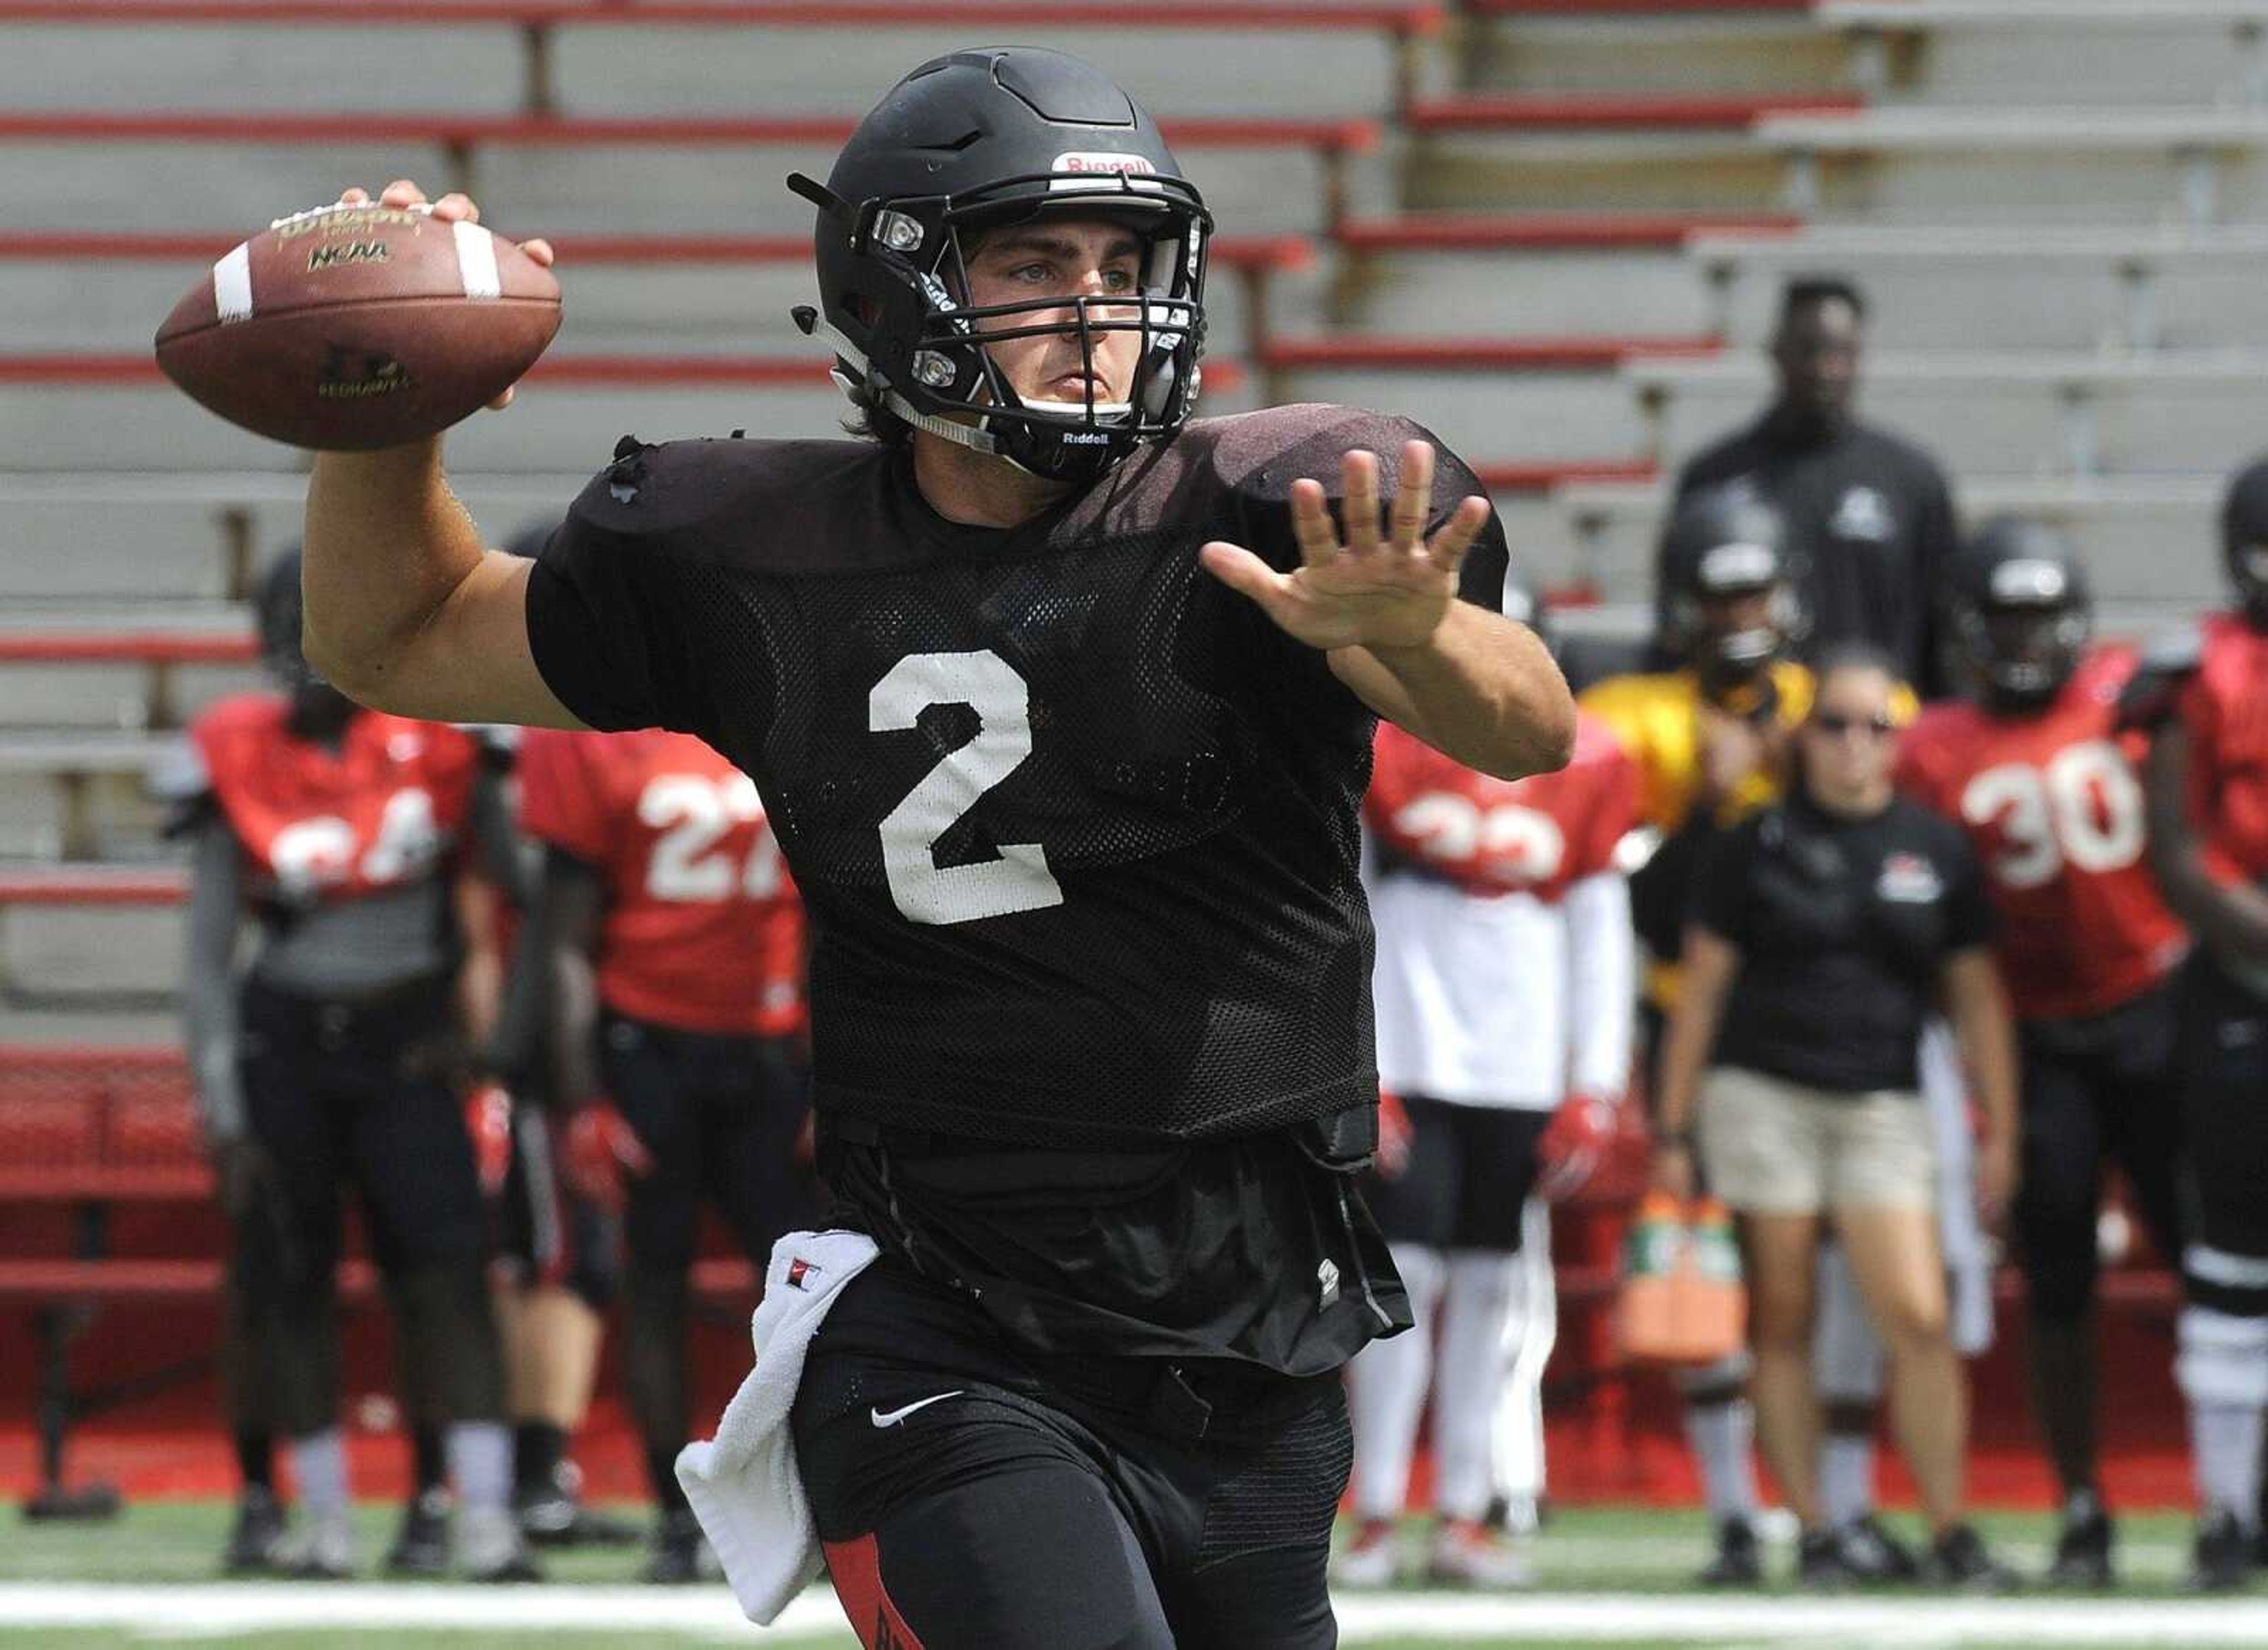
(2208, 819)
(331, 1064)
(2033, 765)
(672, 941)
(1507, 988)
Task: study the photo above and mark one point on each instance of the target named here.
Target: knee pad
(2223, 1359)
(1724, 1382)
(1847, 1356)
(449, 1337)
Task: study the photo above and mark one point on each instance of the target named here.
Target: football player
(330, 1062)
(1710, 740)
(1506, 983)
(2208, 830)
(672, 943)
(2033, 763)
(1061, 705)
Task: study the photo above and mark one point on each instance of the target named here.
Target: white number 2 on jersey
(2083, 808)
(693, 812)
(925, 891)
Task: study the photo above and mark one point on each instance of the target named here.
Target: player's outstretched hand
(450, 208)
(1387, 585)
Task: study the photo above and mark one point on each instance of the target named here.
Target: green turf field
(1610, 1579)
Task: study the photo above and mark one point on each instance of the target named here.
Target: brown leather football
(350, 328)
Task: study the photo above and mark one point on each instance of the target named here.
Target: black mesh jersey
(1075, 822)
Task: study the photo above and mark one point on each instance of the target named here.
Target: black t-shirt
(1076, 824)
(1870, 526)
(1843, 927)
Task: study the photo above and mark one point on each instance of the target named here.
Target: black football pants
(973, 1497)
(2097, 1088)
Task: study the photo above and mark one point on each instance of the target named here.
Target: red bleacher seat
(1474, 355)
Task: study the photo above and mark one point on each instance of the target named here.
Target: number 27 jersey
(703, 929)
(2054, 808)
(1076, 827)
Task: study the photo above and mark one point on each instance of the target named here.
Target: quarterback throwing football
(1060, 705)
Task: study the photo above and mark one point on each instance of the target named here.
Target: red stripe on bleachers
(1553, 231)
(1476, 355)
(591, 131)
(1617, 111)
(141, 647)
(68, 886)
(1283, 252)
(653, 371)
(1543, 475)
(1408, 17)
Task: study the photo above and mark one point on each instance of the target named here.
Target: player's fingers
(1457, 536)
(356, 195)
(540, 251)
(401, 192)
(1311, 522)
(1413, 495)
(455, 205)
(501, 402)
(1358, 483)
(1240, 569)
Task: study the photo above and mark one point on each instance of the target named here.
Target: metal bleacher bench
(95, 1129)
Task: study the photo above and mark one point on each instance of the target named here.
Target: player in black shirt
(1061, 706)
(1870, 519)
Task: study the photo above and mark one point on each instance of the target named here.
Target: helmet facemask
(2021, 653)
(926, 355)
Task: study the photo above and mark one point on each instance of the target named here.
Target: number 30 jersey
(1075, 823)
(2054, 808)
(702, 928)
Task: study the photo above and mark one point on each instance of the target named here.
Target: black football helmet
(2018, 612)
(966, 143)
(2244, 537)
(1724, 543)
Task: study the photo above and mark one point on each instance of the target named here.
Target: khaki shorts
(1774, 1147)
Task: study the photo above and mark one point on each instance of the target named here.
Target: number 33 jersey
(2054, 808)
(702, 928)
(1075, 823)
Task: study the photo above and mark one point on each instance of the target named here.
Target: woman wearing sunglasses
(1825, 930)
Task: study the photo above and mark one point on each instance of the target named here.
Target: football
(350, 328)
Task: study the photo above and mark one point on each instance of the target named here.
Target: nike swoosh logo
(891, 1417)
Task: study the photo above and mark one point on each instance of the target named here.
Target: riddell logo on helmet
(1088, 163)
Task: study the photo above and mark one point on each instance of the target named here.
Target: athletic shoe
(1471, 1555)
(1958, 1562)
(490, 1548)
(2082, 1550)
(679, 1550)
(1819, 1566)
(421, 1549)
(320, 1550)
(2222, 1559)
(1875, 1556)
(553, 1515)
(1739, 1560)
(258, 1531)
(1371, 1558)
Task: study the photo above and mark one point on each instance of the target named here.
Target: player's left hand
(1388, 586)
(601, 1148)
(1573, 1144)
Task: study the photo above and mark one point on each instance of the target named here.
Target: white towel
(743, 1482)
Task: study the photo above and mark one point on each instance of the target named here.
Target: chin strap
(815, 325)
